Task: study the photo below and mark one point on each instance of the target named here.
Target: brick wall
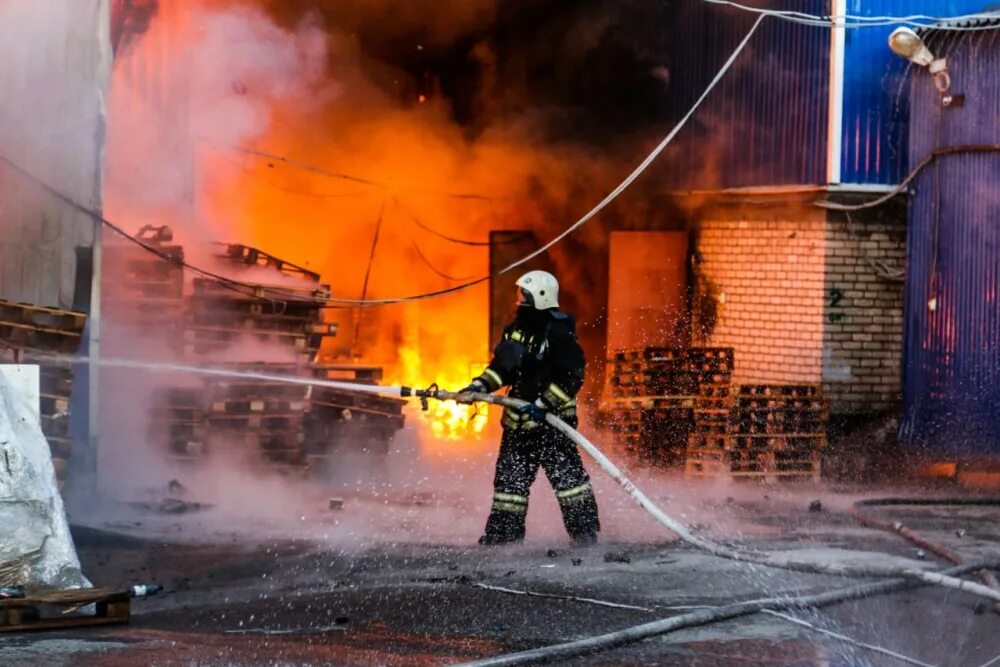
(863, 328)
(794, 291)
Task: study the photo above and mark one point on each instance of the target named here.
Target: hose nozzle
(423, 394)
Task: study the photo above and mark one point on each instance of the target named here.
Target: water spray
(435, 393)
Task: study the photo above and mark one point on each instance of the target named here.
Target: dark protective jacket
(538, 357)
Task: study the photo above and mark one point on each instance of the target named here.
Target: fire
(395, 185)
(447, 421)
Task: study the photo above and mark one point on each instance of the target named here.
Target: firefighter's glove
(535, 411)
(476, 387)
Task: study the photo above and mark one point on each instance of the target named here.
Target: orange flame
(445, 420)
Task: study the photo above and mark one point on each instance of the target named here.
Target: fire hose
(767, 559)
(908, 579)
(903, 578)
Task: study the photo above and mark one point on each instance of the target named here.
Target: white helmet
(541, 287)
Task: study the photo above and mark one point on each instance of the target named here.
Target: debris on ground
(175, 488)
(815, 506)
(335, 504)
(617, 557)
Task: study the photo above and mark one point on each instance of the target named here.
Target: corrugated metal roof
(875, 106)
(766, 122)
(952, 351)
(55, 60)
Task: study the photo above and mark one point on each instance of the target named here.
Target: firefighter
(541, 361)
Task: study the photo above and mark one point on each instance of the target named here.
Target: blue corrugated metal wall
(875, 105)
(766, 122)
(952, 355)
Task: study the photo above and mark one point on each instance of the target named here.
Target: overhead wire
(368, 269)
(441, 235)
(600, 206)
(430, 265)
(294, 191)
(329, 173)
(857, 21)
(223, 281)
(926, 162)
(332, 302)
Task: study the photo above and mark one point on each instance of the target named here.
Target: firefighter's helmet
(539, 289)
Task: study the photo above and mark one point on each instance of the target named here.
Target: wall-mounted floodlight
(907, 44)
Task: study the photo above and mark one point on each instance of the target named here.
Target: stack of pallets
(221, 316)
(778, 432)
(142, 291)
(179, 422)
(56, 380)
(249, 256)
(364, 422)
(661, 396)
(259, 416)
(37, 335)
(31, 328)
(713, 405)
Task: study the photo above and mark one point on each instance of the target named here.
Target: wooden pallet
(781, 390)
(250, 256)
(261, 423)
(39, 338)
(313, 295)
(55, 609)
(647, 402)
(61, 447)
(348, 373)
(251, 390)
(772, 441)
(720, 465)
(698, 441)
(42, 317)
(270, 406)
(241, 302)
(52, 404)
(339, 398)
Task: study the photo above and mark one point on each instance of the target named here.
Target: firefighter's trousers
(521, 454)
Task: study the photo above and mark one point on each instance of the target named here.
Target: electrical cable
(927, 161)
(655, 153)
(880, 268)
(452, 239)
(427, 262)
(636, 633)
(368, 270)
(278, 293)
(855, 21)
(293, 191)
(321, 171)
(223, 281)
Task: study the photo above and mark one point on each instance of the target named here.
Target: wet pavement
(237, 596)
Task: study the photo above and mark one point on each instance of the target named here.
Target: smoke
(363, 90)
(198, 74)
